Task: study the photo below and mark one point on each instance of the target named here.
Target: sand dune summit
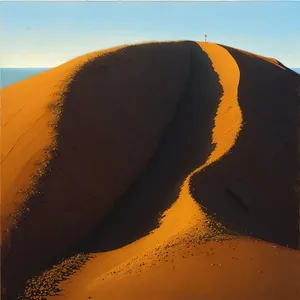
(164, 160)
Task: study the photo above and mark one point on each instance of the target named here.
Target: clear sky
(46, 34)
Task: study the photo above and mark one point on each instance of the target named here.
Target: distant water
(9, 76)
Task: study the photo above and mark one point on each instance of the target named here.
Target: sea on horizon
(9, 76)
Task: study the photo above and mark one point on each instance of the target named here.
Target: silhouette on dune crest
(124, 145)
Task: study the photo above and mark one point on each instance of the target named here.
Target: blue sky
(42, 34)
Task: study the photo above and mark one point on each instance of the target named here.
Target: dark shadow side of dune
(184, 147)
(134, 124)
(254, 190)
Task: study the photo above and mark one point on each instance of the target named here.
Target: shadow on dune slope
(119, 111)
(185, 146)
(134, 124)
(254, 189)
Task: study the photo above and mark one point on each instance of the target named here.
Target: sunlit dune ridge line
(130, 271)
(185, 214)
(147, 150)
(225, 124)
(23, 152)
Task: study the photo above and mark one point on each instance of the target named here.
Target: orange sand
(237, 269)
(187, 269)
(184, 216)
(170, 262)
(24, 118)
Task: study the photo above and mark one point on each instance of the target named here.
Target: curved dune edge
(184, 222)
(15, 116)
(183, 226)
(56, 80)
(228, 122)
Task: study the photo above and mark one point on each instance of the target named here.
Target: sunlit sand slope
(232, 269)
(184, 222)
(172, 262)
(100, 122)
(141, 150)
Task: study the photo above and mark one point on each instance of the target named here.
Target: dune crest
(52, 213)
(184, 220)
(228, 122)
(157, 148)
(132, 271)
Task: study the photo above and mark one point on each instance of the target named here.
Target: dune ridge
(140, 267)
(184, 219)
(232, 120)
(188, 216)
(267, 147)
(49, 210)
(197, 97)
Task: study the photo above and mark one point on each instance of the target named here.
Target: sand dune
(264, 157)
(236, 269)
(154, 147)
